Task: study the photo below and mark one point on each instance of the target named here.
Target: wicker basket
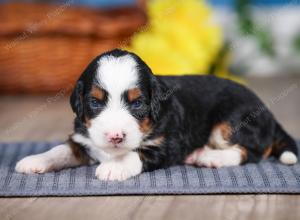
(44, 48)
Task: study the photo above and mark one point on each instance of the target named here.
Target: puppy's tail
(284, 148)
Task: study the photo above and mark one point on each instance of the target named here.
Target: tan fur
(277, 147)
(145, 126)
(220, 136)
(79, 154)
(152, 143)
(158, 141)
(97, 93)
(267, 152)
(226, 130)
(133, 94)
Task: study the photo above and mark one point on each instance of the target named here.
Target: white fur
(219, 158)
(217, 140)
(120, 168)
(94, 152)
(115, 120)
(288, 158)
(116, 75)
(58, 157)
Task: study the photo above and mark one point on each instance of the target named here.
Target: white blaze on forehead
(117, 74)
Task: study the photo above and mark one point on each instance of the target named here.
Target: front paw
(33, 164)
(120, 169)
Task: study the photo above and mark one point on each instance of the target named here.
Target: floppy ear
(159, 95)
(76, 99)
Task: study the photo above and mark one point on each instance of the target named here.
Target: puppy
(132, 121)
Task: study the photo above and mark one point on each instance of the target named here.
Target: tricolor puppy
(132, 121)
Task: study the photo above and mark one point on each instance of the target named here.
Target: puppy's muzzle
(115, 137)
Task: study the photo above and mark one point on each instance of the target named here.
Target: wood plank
(217, 207)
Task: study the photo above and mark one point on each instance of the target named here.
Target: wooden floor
(50, 118)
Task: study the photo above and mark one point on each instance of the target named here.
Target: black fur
(184, 110)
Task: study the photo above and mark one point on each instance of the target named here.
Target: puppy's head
(117, 101)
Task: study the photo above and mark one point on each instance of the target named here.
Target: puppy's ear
(159, 95)
(76, 99)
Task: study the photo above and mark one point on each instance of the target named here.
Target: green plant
(249, 28)
(297, 43)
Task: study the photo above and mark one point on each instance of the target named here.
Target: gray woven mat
(265, 177)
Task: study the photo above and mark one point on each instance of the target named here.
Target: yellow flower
(180, 38)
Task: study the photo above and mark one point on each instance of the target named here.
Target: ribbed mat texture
(266, 177)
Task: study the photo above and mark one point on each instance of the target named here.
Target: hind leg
(219, 152)
(258, 133)
(216, 158)
(247, 136)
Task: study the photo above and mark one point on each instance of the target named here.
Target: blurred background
(45, 45)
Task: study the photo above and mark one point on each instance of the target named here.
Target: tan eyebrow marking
(134, 94)
(97, 93)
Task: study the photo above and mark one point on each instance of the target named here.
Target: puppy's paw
(112, 171)
(214, 158)
(221, 158)
(33, 164)
(209, 159)
(120, 169)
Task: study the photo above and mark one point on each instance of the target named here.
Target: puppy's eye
(136, 104)
(95, 103)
